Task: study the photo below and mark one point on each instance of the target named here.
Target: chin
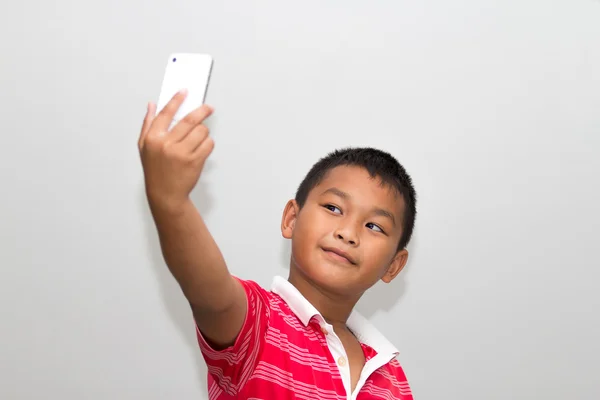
(330, 275)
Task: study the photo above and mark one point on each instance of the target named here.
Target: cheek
(378, 254)
(303, 250)
(311, 227)
(302, 239)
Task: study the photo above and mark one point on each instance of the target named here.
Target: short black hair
(379, 164)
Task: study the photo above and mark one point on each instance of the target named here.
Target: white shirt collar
(364, 331)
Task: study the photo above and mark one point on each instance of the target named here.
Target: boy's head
(351, 220)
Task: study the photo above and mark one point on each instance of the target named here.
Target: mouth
(339, 255)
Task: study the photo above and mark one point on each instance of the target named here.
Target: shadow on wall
(176, 306)
(384, 297)
(381, 297)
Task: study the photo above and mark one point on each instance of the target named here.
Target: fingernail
(183, 91)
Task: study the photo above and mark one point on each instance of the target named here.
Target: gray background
(491, 106)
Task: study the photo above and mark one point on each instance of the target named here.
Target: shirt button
(341, 361)
(324, 330)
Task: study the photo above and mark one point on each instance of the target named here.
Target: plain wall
(493, 107)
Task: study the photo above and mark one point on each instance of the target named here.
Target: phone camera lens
(174, 59)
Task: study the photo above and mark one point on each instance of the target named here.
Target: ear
(397, 264)
(288, 220)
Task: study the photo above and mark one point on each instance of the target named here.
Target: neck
(334, 308)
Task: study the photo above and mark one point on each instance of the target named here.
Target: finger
(189, 122)
(151, 110)
(165, 116)
(195, 138)
(204, 150)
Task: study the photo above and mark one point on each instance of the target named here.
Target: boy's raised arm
(172, 161)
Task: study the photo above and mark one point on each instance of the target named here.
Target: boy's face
(345, 237)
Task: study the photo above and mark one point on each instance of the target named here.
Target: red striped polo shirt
(286, 350)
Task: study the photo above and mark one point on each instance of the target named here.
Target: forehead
(362, 188)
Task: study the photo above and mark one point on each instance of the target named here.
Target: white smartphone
(185, 71)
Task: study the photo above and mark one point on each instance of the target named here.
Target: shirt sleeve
(231, 368)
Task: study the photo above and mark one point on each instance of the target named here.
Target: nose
(348, 234)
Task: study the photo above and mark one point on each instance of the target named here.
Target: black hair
(379, 164)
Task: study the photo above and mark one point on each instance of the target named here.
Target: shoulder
(393, 373)
(252, 288)
(259, 298)
(272, 306)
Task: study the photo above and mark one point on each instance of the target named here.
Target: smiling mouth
(338, 256)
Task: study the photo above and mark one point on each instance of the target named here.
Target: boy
(349, 224)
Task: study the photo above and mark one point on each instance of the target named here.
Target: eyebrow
(376, 210)
(337, 192)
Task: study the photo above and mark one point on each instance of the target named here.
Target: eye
(333, 208)
(374, 227)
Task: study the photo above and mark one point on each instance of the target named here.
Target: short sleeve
(231, 368)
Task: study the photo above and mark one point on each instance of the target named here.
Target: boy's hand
(173, 159)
